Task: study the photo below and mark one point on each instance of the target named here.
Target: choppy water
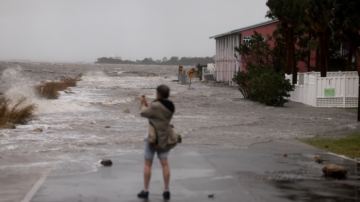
(75, 138)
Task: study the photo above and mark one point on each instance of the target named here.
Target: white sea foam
(18, 86)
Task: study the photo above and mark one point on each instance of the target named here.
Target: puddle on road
(319, 190)
(308, 183)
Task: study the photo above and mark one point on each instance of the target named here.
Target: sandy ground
(75, 137)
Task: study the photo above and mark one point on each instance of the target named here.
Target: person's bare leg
(166, 172)
(147, 173)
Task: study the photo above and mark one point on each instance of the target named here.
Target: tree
(289, 13)
(264, 79)
(258, 51)
(148, 61)
(278, 52)
(199, 70)
(318, 14)
(346, 19)
(174, 60)
(262, 84)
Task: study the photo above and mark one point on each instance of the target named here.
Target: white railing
(336, 90)
(300, 76)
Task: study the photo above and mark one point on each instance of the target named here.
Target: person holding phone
(159, 113)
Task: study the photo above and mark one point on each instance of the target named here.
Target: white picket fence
(338, 89)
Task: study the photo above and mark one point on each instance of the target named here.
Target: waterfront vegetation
(50, 89)
(185, 61)
(262, 82)
(348, 146)
(21, 110)
(14, 111)
(323, 27)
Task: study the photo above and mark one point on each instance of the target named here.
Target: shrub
(263, 84)
(15, 111)
(72, 81)
(50, 90)
(199, 69)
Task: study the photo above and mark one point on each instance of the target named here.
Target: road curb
(344, 157)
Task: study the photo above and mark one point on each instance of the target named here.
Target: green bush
(263, 84)
(198, 70)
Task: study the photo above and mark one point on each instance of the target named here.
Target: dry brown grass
(50, 90)
(15, 111)
(70, 82)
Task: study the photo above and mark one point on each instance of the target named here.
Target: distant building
(226, 62)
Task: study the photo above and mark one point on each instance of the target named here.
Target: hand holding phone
(143, 101)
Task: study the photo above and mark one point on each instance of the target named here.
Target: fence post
(203, 73)
(215, 77)
(183, 79)
(344, 91)
(316, 90)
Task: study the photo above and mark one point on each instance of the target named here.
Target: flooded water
(81, 128)
(308, 184)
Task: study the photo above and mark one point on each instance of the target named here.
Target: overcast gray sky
(84, 30)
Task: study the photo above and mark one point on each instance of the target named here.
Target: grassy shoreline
(20, 111)
(348, 145)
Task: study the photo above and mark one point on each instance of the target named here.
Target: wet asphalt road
(258, 173)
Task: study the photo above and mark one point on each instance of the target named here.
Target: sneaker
(143, 194)
(166, 195)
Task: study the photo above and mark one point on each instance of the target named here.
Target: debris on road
(318, 159)
(106, 162)
(39, 130)
(333, 170)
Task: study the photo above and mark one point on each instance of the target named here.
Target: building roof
(244, 28)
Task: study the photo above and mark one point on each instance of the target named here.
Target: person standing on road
(159, 112)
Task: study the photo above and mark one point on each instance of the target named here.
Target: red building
(226, 63)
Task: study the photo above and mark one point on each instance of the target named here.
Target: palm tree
(289, 14)
(346, 20)
(318, 14)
